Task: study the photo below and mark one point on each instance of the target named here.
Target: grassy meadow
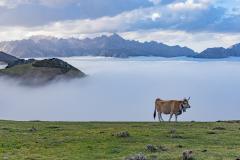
(37, 140)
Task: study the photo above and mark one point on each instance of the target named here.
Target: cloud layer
(125, 90)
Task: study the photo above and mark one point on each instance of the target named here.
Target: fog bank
(125, 90)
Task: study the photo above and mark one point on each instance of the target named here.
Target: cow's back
(167, 106)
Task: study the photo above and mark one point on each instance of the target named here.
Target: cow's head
(185, 104)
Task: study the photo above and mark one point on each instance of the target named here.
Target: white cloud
(190, 5)
(126, 21)
(118, 23)
(155, 16)
(155, 2)
(54, 3)
(50, 3)
(197, 41)
(13, 3)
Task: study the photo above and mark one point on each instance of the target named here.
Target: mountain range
(109, 46)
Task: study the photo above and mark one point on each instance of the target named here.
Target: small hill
(37, 72)
(6, 58)
(218, 52)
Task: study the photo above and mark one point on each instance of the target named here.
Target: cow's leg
(170, 117)
(176, 117)
(160, 116)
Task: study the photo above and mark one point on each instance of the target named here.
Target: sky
(197, 24)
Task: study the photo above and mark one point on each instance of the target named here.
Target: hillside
(95, 140)
(6, 58)
(110, 46)
(35, 72)
(213, 53)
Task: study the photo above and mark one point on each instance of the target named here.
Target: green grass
(94, 140)
(17, 70)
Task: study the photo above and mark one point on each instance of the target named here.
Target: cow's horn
(188, 98)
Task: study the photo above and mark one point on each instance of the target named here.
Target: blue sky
(197, 24)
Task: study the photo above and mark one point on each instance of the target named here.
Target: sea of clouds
(125, 90)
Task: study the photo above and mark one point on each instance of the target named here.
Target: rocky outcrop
(19, 62)
(54, 63)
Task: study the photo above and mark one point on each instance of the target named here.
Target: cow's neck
(182, 106)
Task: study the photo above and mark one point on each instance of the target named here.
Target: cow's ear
(189, 98)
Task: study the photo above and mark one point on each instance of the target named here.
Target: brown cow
(170, 107)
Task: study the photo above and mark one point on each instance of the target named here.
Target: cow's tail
(154, 114)
(155, 110)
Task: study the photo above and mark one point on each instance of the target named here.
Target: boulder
(187, 155)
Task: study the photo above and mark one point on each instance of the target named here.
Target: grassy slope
(17, 70)
(69, 140)
(35, 72)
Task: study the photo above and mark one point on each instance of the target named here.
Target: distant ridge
(220, 52)
(6, 58)
(110, 46)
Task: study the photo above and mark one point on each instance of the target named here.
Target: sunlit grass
(95, 140)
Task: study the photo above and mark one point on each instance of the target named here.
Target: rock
(173, 131)
(151, 148)
(33, 129)
(139, 156)
(162, 148)
(122, 134)
(20, 62)
(187, 155)
(54, 63)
